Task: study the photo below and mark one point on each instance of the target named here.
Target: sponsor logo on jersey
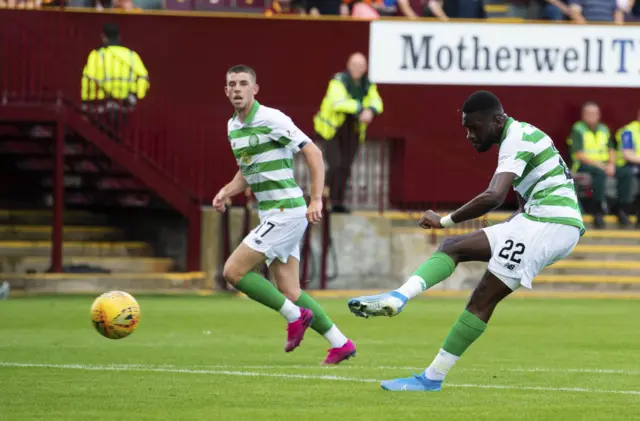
(245, 158)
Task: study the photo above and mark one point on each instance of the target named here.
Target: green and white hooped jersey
(264, 146)
(543, 178)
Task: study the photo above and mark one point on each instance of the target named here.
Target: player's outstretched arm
(485, 202)
(488, 200)
(313, 155)
(235, 186)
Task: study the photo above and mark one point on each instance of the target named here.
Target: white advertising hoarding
(428, 53)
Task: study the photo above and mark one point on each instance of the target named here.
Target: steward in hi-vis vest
(595, 152)
(348, 107)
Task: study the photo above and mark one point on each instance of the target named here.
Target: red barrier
(181, 126)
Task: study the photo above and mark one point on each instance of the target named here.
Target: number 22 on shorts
(509, 252)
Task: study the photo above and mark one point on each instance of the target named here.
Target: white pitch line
(183, 371)
(385, 367)
(569, 370)
(139, 368)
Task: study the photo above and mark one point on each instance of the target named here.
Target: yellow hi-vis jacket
(628, 137)
(114, 72)
(595, 145)
(338, 102)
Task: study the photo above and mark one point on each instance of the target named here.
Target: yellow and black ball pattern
(115, 314)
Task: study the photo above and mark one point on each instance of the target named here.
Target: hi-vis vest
(337, 103)
(634, 128)
(114, 72)
(595, 144)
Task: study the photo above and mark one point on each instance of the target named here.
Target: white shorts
(278, 235)
(521, 248)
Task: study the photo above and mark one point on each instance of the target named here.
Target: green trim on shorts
(572, 222)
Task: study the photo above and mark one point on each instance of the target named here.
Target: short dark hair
(242, 68)
(588, 103)
(111, 31)
(483, 101)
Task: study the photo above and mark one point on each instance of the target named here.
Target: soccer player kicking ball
(545, 229)
(264, 141)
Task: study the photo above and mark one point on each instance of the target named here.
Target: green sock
(464, 332)
(261, 290)
(435, 270)
(321, 322)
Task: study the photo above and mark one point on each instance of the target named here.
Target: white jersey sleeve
(513, 156)
(285, 132)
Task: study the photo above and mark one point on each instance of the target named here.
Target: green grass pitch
(222, 359)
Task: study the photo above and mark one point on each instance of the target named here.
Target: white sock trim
(290, 311)
(414, 286)
(335, 337)
(442, 363)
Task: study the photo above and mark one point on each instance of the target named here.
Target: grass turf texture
(222, 358)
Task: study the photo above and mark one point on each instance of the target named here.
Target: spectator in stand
(594, 152)
(556, 10)
(349, 106)
(524, 9)
(317, 7)
(411, 9)
(114, 79)
(383, 7)
(444, 9)
(583, 11)
(126, 5)
(634, 14)
(629, 139)
(29, 4)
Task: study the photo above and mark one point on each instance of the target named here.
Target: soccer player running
(545, 229)
(264, 141)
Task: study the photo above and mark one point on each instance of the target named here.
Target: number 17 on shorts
(278, 238)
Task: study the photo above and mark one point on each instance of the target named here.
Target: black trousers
(112, 116)
(340, 152)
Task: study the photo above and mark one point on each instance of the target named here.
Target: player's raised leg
(288, 280)
(237, 271)
(465, 331)
(464, 248)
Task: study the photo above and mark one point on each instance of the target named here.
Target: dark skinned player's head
(484, 119)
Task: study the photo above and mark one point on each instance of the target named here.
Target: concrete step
(76, 248)
(411, 218)
(594, 267)
(621, 237)
(70, 233)
(596, 237)
(44, 217)
(607, 252)
(587, 282)
(22, 264)
(47, 283)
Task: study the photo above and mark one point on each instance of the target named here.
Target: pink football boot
(296, 330)
(337, 355)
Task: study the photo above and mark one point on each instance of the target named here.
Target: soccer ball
(115, 314)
